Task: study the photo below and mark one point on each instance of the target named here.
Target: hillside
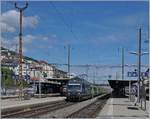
(12, 53)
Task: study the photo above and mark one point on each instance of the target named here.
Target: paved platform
(35, 95)
(121, 107)
(9, 96)
(147, 106)
(10, 103)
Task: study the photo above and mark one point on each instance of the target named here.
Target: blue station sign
(135, 74)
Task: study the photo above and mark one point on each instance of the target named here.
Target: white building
(35, 71)
(47, 70)
(25, 69)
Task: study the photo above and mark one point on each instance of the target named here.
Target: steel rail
(37, 110)
(91, 110)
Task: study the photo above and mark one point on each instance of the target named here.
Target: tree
(44, 74)
(7, 80)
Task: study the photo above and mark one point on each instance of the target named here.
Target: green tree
(7, 80)
(44, 74)
(25, 84)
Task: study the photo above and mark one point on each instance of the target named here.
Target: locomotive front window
(74, 87)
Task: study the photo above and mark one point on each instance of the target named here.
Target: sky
(96, 31)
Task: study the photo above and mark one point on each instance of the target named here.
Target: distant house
(31, 68)
(59, 73)
(47, 69)
(35, 71)
(25, 69)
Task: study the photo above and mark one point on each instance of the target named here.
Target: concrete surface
(10, 103)
(121, 107)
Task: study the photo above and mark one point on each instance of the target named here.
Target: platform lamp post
(20, 9)
(139, 54)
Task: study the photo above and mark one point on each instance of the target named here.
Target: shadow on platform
(118, 94)
(133, 108)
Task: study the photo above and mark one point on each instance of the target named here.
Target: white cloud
(109, 38)
(27, 39)
(13, 45)
(45, 38)
(31, 21)
(6, 28)
(7, 44)
(10, 21)
(54, 36)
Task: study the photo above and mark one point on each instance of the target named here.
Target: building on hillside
(25, 70)
(9, 63)
(35, 71)
(47, 69)
(59, 73)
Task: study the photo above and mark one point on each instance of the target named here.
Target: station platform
(122, 107)
(35, 95)
(17, 103)
(9, 96)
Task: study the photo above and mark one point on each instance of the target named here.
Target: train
(79, 89)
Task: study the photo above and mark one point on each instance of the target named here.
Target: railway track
(35, 111)
(90, 111)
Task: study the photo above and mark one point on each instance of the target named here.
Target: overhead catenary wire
(98, 65)
(64, 21)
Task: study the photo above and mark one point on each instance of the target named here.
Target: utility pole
(40, 82)
(122, 63)
(16, 59)
(87, 71)
(20, 9)
(93, 77)
(34, 79)
(139, 54)
(96, 72)
(69, 47)
(116, 75)
(139, 64)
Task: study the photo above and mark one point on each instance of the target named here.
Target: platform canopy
(116, 84)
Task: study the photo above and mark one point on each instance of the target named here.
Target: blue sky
(99, 29)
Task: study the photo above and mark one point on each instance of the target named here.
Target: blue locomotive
(79, 89)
